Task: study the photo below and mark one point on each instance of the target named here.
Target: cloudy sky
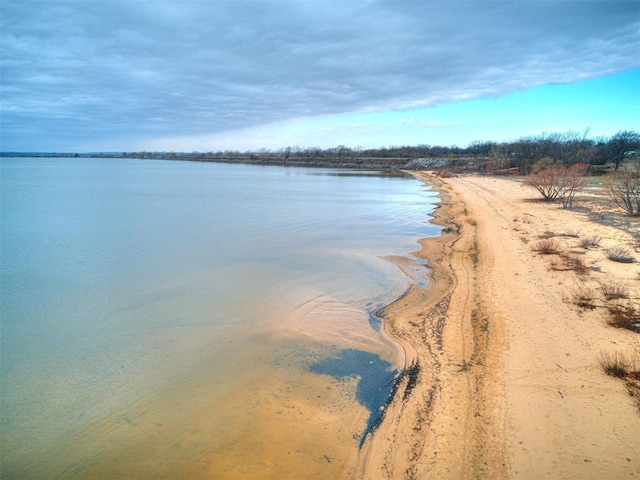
(89, 75)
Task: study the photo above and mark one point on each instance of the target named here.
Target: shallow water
(163, 319)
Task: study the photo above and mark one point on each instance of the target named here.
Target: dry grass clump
(590, 242)
(625, 316)
(571, 262)
(584, 297)
(619, 364)
(619, 254)
(547, 246)
(614, 290)
(625, 366)
(576, 263)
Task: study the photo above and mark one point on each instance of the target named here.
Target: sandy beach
(503, 375)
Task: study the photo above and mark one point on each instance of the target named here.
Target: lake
(197, 320)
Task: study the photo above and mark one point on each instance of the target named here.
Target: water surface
(173, 319)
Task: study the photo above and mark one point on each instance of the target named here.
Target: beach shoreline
(502, 374)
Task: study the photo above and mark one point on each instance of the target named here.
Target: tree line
(565, 148)
(521, 155)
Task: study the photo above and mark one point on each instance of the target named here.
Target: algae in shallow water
(375, 380)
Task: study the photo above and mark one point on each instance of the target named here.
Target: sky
(131, 75)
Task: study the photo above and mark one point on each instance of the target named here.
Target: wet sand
(505, 381)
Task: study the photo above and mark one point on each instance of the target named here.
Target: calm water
(185, 320)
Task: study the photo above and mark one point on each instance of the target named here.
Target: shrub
(558, 182)
(547, 246)
(576, 263)
(613, 290)
(548, 182)
(590, 242)
(626, 366)
(615, 364)
(619, 254)
(570, 262)
(584, 297)
(624, 191)
(624, 316)
(573, 180)
(618, 364)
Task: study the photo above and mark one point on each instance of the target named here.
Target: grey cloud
(113, 71)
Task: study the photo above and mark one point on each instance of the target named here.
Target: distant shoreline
(324, 161)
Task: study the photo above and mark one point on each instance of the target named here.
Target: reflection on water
(161, 318)
(362, 173)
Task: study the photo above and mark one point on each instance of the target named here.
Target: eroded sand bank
(505, 381)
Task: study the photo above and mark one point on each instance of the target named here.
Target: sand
(507, 382)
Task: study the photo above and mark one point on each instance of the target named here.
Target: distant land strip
(325, 161)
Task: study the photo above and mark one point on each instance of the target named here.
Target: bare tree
(624, 191)
(525, 154)
(574, 180)
(556, 182)
(498, 158)
(548, 181)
